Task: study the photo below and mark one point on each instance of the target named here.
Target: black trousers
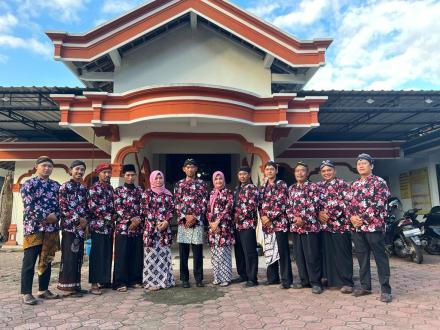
(72, 252)
(100, 262)
(338, 259)
(28, 269)
(282, 267)
(246, 256)
(197, 250)
(364, 244)
(308, 258)
(129, 260)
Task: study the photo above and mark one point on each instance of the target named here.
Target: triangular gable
(151, 16)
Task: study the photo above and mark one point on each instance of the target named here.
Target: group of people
(324, 218)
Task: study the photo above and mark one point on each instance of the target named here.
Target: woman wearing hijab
(221, 235)
(157, 209)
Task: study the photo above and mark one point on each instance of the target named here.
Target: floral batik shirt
(221, 211)
(190, 197)
(367, 199)
(333, 200)
(73, 206)
(128, 206)
(273, 203)
(246, 206)
(156, 208)
(303, 203)
(40, 198)
(102, 209)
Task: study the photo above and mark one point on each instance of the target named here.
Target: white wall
(201, 56)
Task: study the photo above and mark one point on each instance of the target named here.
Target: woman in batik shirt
(157, 209)
(272, 207)
(74, 216)
(221, 231)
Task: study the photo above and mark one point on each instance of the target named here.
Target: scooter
(431, 231)
(402, 236)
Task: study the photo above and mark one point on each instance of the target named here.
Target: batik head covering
(43, 159)
(328, 163)
(301, 163)
(102, 167)
(76, 163)
(366, 157)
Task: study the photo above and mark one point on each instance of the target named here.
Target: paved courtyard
(416, 304)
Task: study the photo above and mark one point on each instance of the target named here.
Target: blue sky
(380, 44)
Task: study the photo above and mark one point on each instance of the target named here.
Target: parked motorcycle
(431, 231)
(402, 236)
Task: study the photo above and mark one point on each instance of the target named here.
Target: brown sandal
(95, 291)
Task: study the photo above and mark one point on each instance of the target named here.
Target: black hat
(43, 159)
(128, 168)
(76, 163)
(301, 163)
(244, 169)
(366, 157)
(328, 163)
(271, 163)
(190, 161)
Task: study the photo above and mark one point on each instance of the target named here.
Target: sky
(378, 45)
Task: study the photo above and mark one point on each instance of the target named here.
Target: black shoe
(200, 284)
(48, 295)
(185, 285)
(386, 297)
(250, 284)
(82, 291)
(285, 286)
(299, 286)
(324, 282)
(238, 280)
(29, 299)
(316, 289)
(272, 283)
(359, 292)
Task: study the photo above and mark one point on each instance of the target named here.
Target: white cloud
(31, 44)
(60, 10)
(115, 7)
(7, 22)
(306, 13)
(384, 45)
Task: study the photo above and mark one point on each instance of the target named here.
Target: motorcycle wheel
(416, 253)
(431, 250)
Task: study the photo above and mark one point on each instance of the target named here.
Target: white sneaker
(215, 282)
(224, 284)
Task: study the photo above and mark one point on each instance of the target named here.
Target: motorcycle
(402, 236)
(431, 231)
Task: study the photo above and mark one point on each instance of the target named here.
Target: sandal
(48, 295)
(122, 289)
(95, 291)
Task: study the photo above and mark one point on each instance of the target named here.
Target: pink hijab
(216, 191)
(158, 190)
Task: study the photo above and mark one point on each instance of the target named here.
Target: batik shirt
(246, 206)
(73, 206)
(40, 198)
(332, 199)
(221, 211)
(156, 208)
(273, 203)
(303, 203)
(102, 209)
(367, 199)
(127, 206)
(190, 197)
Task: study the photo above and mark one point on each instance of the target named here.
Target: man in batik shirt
(191, 198)
(272, 208)
(128, 233)
(367, 212)
(337, 249)
(74, 217)
(302, 211)
(102, 217)
(41, 230)
(245, 210)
